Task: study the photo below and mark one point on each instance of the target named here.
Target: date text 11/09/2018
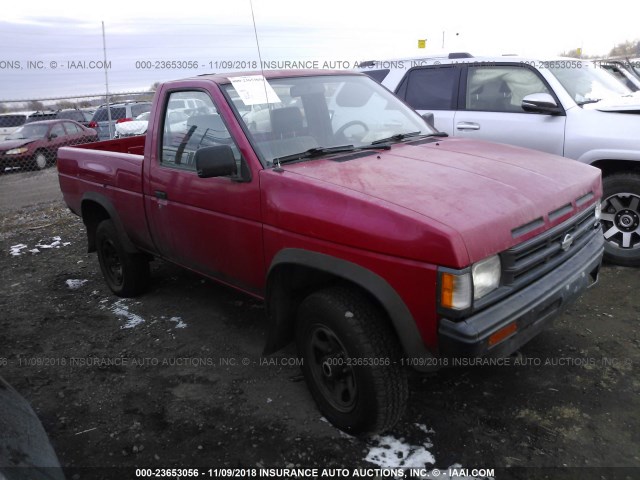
(314, 472)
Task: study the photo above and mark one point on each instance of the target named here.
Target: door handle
(468, 126)
(161, 195)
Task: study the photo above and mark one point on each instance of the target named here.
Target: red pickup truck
(376, 243)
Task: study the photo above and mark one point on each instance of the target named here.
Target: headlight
(459, 289)
(16, 151)
(486, 276)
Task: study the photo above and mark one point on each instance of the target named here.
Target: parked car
(563, 106)
(138, 126)
(377, 244)
(120, 112)
(10, 122)
(41, 115)
(620, 71)
(36, 144)
(81, 116)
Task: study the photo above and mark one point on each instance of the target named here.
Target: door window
(187, 131)
(431, 88)
(501, 89)
(57, 130)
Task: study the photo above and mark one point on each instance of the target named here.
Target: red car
(35, 145)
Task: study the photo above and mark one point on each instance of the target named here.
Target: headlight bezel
(469, 285)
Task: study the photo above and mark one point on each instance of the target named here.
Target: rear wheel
(351, 361)
(620, 219)
(126, 274)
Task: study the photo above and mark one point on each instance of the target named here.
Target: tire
(40, 160)
(621, 219)
(126, 274)
(340, 325)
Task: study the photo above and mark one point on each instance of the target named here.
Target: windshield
(586, 83)
(319, 112)
(29, 131)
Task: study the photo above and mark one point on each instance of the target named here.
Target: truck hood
(450, 202)
(623, 103)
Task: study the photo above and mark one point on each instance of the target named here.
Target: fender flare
(599, 155)
(401, 318)
(105, 203)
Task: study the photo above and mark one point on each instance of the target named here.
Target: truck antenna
(255, 32)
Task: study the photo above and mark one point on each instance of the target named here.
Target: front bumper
(532, 308)
(19, 160)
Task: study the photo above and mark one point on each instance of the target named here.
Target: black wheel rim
(620, 219)
(330, 369)
(112, 262)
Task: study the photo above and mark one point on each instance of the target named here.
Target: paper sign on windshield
(254, 90)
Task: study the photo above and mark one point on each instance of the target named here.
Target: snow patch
(178, 321)
(391, 452)
(424, 428)
(74, 283)
(56, 243)
(122, 310)
(15, 250)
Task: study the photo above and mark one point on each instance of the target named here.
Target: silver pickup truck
(569, 107)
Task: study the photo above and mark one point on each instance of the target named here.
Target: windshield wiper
(591, 100)
(401, 136)
(319, 151)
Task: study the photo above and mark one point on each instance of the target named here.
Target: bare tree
(35, 105)
(64, 104)
(626, 49)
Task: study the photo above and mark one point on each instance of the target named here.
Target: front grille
(530, 260)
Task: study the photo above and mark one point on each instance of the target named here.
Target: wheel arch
(296, 273)
(95, 208)
(613, 166)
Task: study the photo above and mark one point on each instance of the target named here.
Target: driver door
(210, 225)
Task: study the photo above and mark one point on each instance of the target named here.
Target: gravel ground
(176, 378)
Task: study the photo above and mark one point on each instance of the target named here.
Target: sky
(55, 49)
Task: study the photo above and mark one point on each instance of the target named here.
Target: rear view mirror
(540, 103)
(428, 117)
(215, 161)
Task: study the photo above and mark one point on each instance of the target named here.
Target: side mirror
(429, 118)
(540, 103)
(52, 136)
(216, 161)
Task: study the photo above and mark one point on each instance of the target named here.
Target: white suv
(564, 106)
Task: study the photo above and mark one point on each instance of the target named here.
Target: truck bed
(110, 169)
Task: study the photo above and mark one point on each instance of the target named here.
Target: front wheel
(620, 219)
(351, 361)
(126, 274)
(41, 160)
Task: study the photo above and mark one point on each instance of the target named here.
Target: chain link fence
(31, 132)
